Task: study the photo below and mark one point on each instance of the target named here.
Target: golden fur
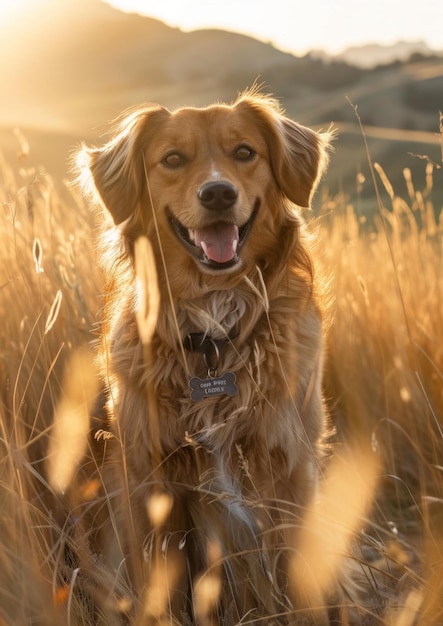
(237, 471)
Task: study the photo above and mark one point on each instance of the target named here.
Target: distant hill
(67, 68)
(371, 55)
(83, 60)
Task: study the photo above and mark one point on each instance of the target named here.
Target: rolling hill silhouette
(82, 61)
(67, 68)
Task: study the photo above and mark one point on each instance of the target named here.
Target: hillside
(79, 62)
(69, 68)
(371, 55)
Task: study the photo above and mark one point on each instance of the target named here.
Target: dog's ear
(116, 170)
(299, 156)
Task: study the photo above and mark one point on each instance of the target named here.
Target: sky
(299, 26)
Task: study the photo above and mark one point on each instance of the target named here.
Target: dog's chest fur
(265, 345)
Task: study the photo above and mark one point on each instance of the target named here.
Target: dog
(218, 417)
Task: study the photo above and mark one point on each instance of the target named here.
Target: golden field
(383, 385)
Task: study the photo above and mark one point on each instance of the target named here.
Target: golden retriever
(218, 417)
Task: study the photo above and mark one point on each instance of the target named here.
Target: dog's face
(213, 184)
(209, 174)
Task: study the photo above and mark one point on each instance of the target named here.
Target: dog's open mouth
(216, 246)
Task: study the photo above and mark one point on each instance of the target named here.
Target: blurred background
(68, 67)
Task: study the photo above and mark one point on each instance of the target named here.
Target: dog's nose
(217, 196)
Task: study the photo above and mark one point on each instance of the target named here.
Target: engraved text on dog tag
(218, 386)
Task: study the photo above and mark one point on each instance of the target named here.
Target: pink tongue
(219, 242)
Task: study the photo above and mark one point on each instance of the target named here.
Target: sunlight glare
(300, 27)
(11, 10)
(200, 14)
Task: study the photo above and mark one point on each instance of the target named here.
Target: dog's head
(216, 185)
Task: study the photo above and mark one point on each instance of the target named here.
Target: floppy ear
(116, 170)
(299, 155)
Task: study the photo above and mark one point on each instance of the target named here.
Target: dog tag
(218, 386)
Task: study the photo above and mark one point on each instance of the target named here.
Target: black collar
(206, 345)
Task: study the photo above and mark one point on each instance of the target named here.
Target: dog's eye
(243, 152)
(173, 160)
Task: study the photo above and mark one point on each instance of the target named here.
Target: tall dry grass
(384, 387)
(49, 298)
(384, 374)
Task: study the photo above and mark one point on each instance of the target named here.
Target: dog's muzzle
(217, 245)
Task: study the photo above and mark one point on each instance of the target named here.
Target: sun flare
(12, 10)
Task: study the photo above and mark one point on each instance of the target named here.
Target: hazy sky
(302, 25)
